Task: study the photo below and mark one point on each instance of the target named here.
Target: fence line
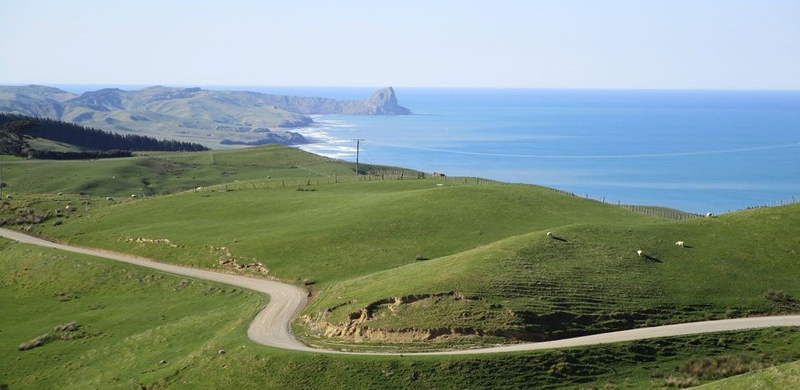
(651, 211)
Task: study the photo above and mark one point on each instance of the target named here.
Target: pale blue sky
(675, 44)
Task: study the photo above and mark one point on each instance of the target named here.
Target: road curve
(271, 326)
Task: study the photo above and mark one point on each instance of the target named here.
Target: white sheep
(60, 193)
(109, 198)
(680, 244)
(134, 196)
(550, 234)
(639, 252)
(709, 215)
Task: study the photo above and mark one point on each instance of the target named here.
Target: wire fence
(399, 174)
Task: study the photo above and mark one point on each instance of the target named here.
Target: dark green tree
(12, 137)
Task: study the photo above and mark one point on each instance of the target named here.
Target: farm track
(271, 326)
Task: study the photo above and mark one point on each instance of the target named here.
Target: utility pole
(358, 149)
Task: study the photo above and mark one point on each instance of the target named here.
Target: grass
(361, 246)
(336, 232)
(55, 146)
(589, 280)
(157, 173)
(127, 319)
(785, 376)
(132, 319)
(467, 262)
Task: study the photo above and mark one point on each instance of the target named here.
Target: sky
(653, 44)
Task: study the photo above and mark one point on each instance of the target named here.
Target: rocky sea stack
(384, 102)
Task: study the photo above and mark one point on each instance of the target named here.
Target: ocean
(697, 151)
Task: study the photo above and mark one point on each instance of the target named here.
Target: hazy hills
(191, 114)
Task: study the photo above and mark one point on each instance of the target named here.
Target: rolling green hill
(161, 173)
(137, 328)
(120, 336)
(587, 280)
(494, 276)
(391, 263)
(332, 232)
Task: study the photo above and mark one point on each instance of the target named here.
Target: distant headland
(209, 117)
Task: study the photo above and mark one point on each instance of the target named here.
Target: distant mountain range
(209, 117)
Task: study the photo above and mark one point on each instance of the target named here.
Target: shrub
(779, 297)
(720, 367)
(67, 327)
(37, 342)
(681, 382)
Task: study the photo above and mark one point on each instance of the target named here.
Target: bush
(780, 297)
(720, 367)
(681, 382)
(37, 342)
(67, 327)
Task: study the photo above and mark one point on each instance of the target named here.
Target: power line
(369, 156)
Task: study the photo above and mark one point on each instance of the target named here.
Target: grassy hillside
(55, 146)
(161, 172)
(364, 246)
(588, 279)
(130, 319)
(392, 262)
(786, 376)
(332, 232)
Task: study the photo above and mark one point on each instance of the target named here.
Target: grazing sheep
(680, 244)
(709, 215)
(134, 196)
(550, 234)
(221, 352)
(69, 208)
(60, 193)
(109, 198)
(199, 188)
(639, 252)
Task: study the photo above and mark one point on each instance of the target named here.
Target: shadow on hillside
(653, 259)
(559, 239)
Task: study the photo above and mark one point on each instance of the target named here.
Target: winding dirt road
(271, 326)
